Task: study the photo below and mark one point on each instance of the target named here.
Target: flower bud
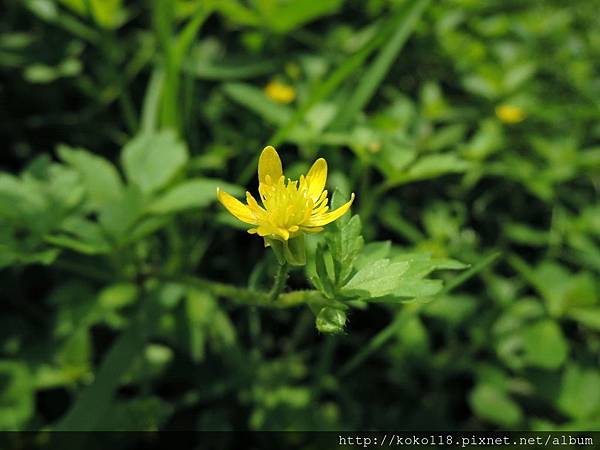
(331, 320)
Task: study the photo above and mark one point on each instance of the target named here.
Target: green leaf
(282, 17)
(580, 291)
(256, 101)
(16, 395)
(151, 160)
(372, 252)
(119, 217)
(237, 13)
(194, 193)
(588, 317)
(345, 243)
(81, 235)
(422, 264)
(151, 106)
(204, 323)
(117, 296)
(433, 166)
(579, 394)
(494, 405)
(232, 69)
(410, 289)
(544, 345)
(377, 280)
(323, 278)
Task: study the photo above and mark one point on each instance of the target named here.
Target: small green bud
(331, 320)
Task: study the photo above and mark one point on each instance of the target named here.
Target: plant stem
(248, 297)
(279, 283)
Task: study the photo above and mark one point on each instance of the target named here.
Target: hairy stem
(244, 296)
(249, 297)
(279, 283)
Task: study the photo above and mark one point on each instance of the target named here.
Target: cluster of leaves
(85, 205)
(347, 272)
(404, 98)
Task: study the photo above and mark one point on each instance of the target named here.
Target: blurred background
(466, 129)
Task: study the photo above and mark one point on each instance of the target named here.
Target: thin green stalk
(249, 297)
(245, 296)
(279, 283)
(175, 48)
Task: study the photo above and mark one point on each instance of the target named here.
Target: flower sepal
(291, 251)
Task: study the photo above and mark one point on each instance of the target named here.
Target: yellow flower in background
(510, 113)
(290, 207)
(280, 92)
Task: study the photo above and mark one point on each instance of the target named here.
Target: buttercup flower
(280, 92)
(510, 113)
(289, 208)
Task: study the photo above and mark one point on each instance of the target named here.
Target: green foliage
(465, 280)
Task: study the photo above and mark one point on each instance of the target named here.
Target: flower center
(287, 203)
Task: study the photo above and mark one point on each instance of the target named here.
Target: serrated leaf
(376, 280)
(421, 264)
(410, 288)
(345, 244)
(372, 252)
(324, 280)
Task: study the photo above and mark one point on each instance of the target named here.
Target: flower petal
(316, 178)
(235, 207)
(269, 164)
(323, 219)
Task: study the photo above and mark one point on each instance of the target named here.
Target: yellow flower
(510, 113)
(290, 207)
(280, 92)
